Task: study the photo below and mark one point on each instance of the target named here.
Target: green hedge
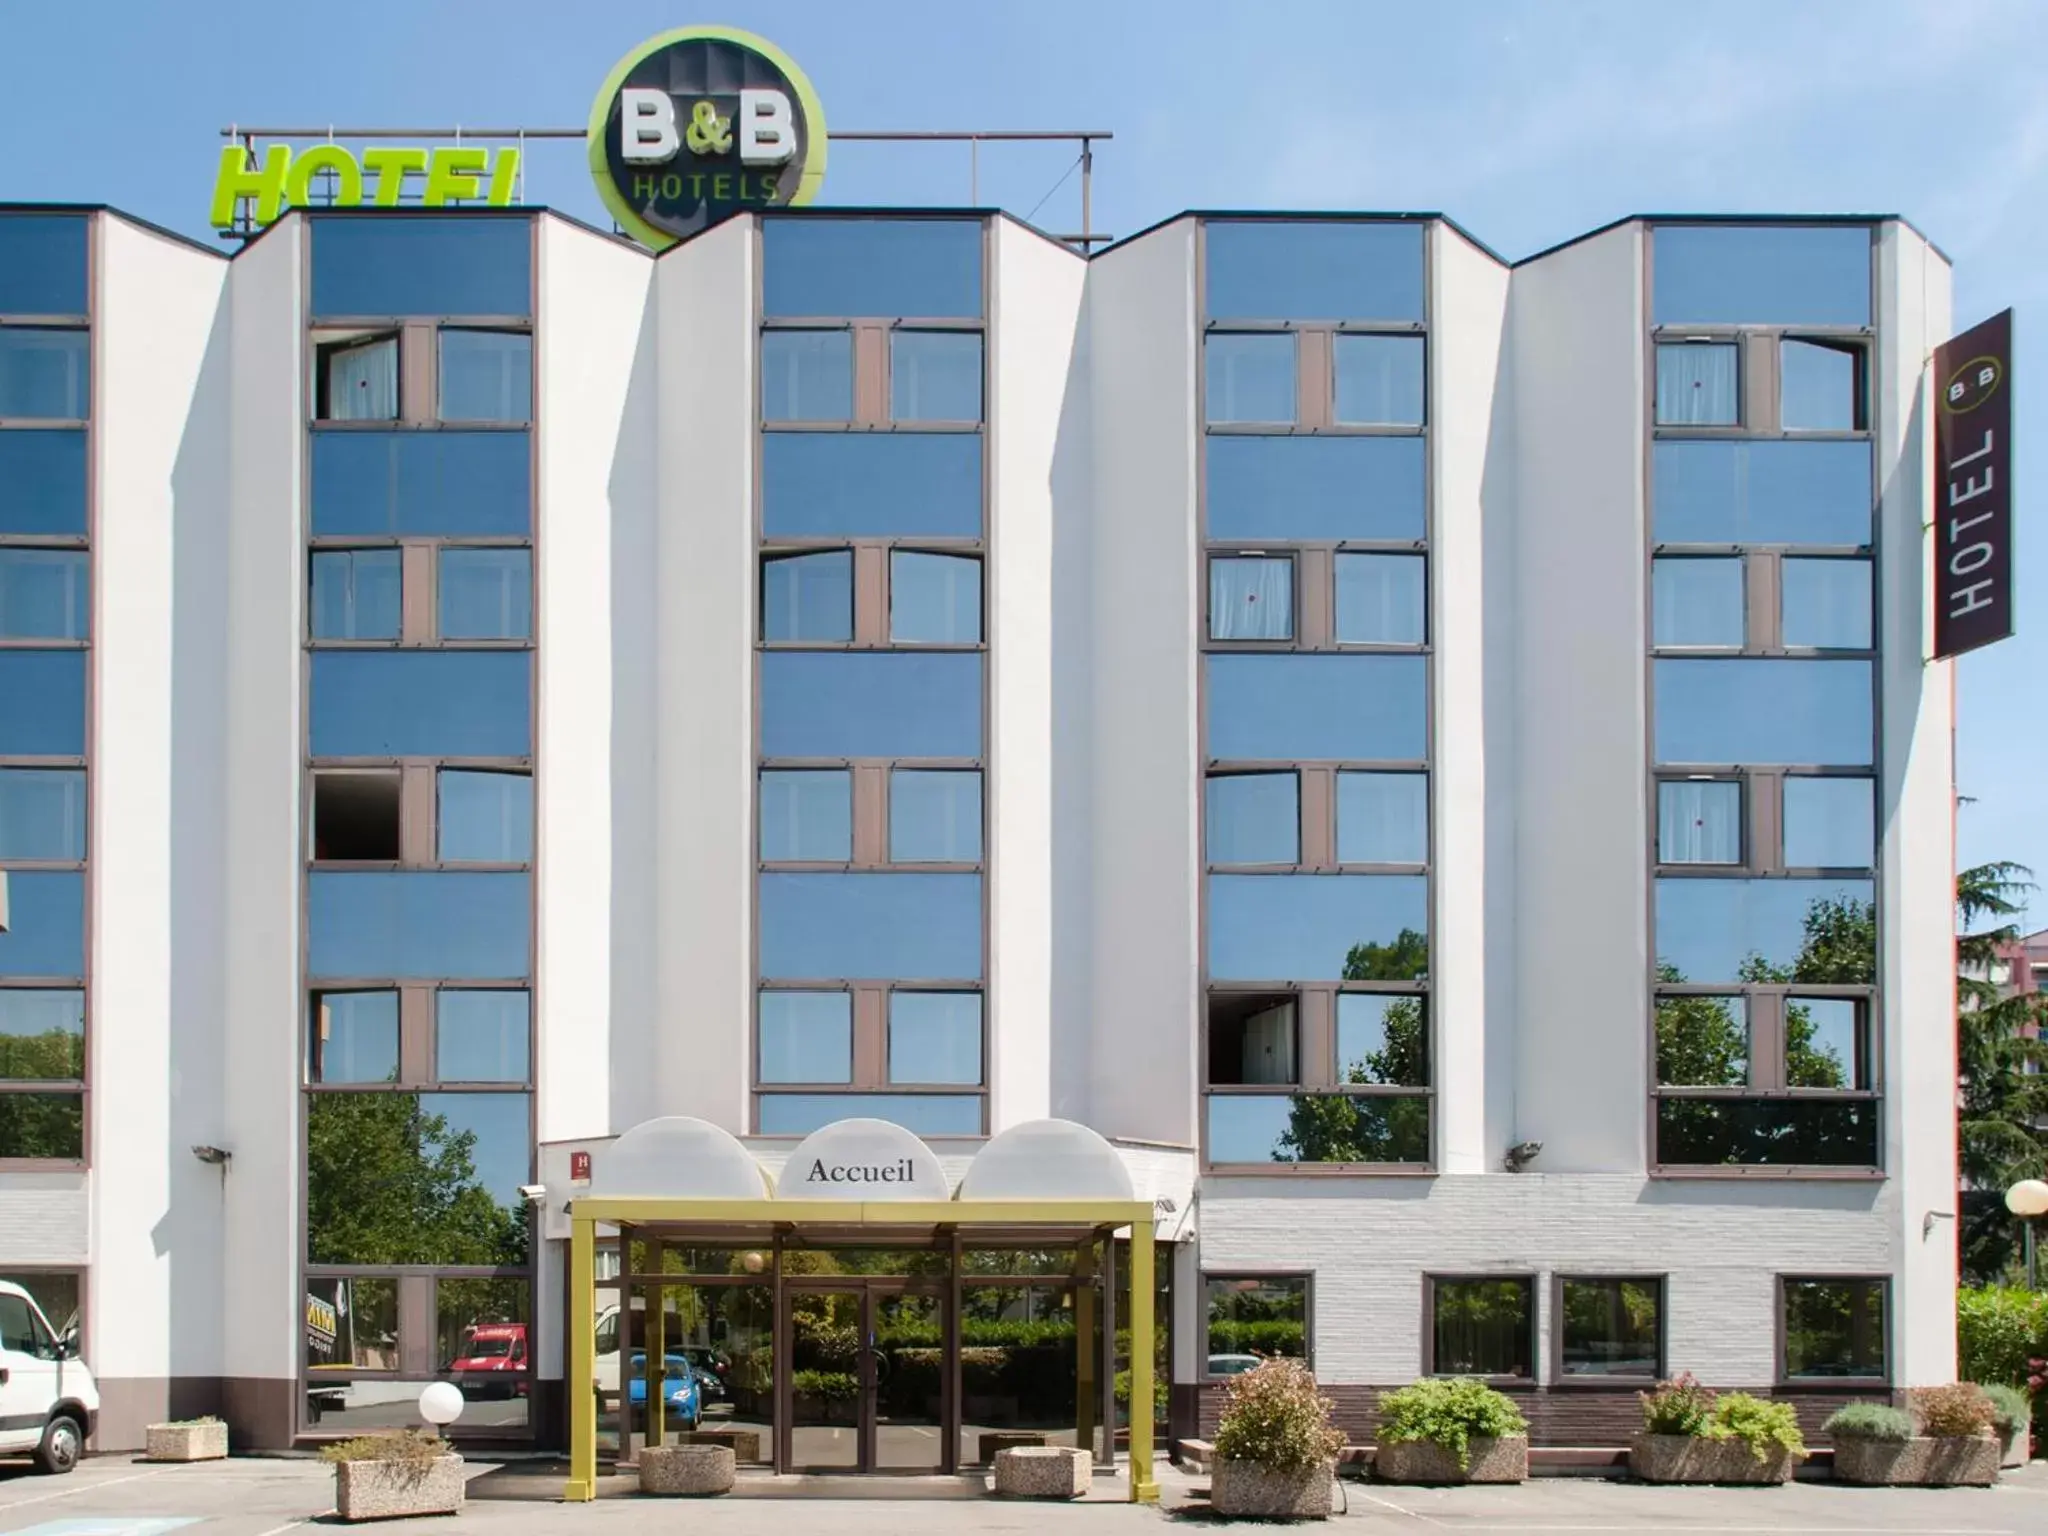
(1998, 1329)
(1263, 1336)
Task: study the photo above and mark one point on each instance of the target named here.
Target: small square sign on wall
(579, 1167)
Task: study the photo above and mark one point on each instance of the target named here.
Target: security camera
(533, 1192)
(1521, 1155)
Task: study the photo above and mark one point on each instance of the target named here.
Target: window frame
(418, 342)
(1785, 1381)
(871, 588)
(1526, 1278)
(870, 785)
(1583, 1381)
(1307, 1277)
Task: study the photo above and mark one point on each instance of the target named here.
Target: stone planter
(1246, 1490)
(388, 1490)
(686, 1471)
(206, 1440)
(1957, 1462)
(1502, 1460)
(2016, 1449)
(1042, 1472)
(1693, 1459)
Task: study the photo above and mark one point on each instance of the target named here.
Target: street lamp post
(2027, 1200)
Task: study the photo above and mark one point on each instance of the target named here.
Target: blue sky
(1527, 122)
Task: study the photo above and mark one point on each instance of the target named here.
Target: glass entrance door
(825, 1329)
(866, 1377)
(906, 1361)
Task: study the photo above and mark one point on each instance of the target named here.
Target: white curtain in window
(1696, 384)
(362, 383)
(1251, 599)
(1699, 823)
(1269, 1045)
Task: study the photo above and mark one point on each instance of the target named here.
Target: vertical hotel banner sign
(701, 123)
(1973, 488)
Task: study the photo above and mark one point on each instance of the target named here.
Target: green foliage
(1679, 1406)
(51, 1055)
(1405, 959)
(833, 1386)
(2004, 1087)
(1869, 1421)
(2014, 1408)
(414, 1447)
(1448, 1413)
(1998, 1329)
(1700, 1042)
(1959, 1411)
(1756, 1423)
(388, 1183)
(1159, 1392)
(49, 1124)
(1257, 1336)
(1274, 1417)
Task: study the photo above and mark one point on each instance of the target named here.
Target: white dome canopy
(1047, 1160)
(678, 1157)
(862, 1159)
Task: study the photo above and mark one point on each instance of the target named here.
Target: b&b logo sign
(701, 123)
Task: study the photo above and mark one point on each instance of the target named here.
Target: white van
(49, 1403)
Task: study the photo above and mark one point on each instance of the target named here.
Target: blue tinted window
(1763, 711)
(1281, 708)
(865, 705)
(1310, 927)
(1382, 818)
(1264, 488)
(1267, 1128)
(1819, 387)
(486, 818)
(934, 599)
(934, 816)
(357, 594)
(1382, 1038)
(907, 927)
(1249, 378)
(453, 484)
(45, 933)
(1826, 602)
(486, 594)
(926, 268)
(935, 1037)
(847, 484)
(486, 376)
(42, 703)
(1762, 493)
(43, 594)
(807, 815)
(1737, 274)
(806, 1037)
(42, 1033)
(1697, 602)
(1251, 598)
(923, 1114)
(1253, 818)
(1696, 384)
(481, 1036)
(1379, 380)
(406, 265)
(1380, 599)
(806, 375)
(935, 376)
(42, 813)
(500, 1131)
(355, 1038)
(42, 481)
(1766, 930)
(422, 704)
(1830, 823)
(418, 924)
(1276, 270)
(45, 375)
(807, 598)
(42, 264)
(1699, 821)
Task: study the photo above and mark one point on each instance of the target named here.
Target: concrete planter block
(206, 1441)
(2017, 1448)
(1925, 1462)
(995, 1440)
(745, 1444)
(389, 1490)
(686, 1471)
(1502, 1460)
(1246, 1490)
(1042, 1472)
(1693, 1459)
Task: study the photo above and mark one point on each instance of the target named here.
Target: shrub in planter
(1451, 1431)
(201, 1439)
(1692, 1435)
(1945, 1439)
(2015, 1420)
(1275, 1448)
(378, 1477)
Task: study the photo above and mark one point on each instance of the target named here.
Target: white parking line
(1349, 1489)
(65, 1493)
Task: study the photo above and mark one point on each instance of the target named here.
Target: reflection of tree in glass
(1343, 1128)
(2004, 1065)
(1701, 1043)
(1406, 959)
(1481, 1327)
(42, 1124)
(388, 1183)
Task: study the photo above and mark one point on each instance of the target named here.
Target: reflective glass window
(1483, 1327)
(462, 264)
(1762, 492)
(1254, 1038)
(1263, 489)
(370, 1342)
(934, 599)
(1317, 1128)
(49, 1126)
(870, 484)
(935, 1037)
(1703, 1042)
(1760, 274)
(912, 927)
(1767, 930)
(1699, 821)
(1835, 1328)
(1830, 823)
(1826, 602)
(1289, 708)
(418, 924)
(935, 375)
(807, 597)
(482, 1035)
(1379, 380)
(934, 816)
(42, 814)
(355, 1038)
(357, 594)
(1696, 384)
(45, 934)
(43, 263)
(1251, 598)
(1697, 602)
(1380, 599)
(922, 1114)
(1763, 711)
(928, 269)
(45, 374)
(1382, 818)
(359, 380)
(486, 375)
(807, 814)
(1251, 1317)
(1824, 1043)
(807, 375)
(1612, 1328)
(853, 704)
(422, 704)
(486, 594)
(806, 1037)
(1250, 377)
(1288, 269)
(42, 1034)
(1312, 927)
(42, 703)
(1819, 387)
(1382, 1037)
(422, 484)
(1767, 1132)
(486, 817)
(42, 481)
(44, 594)
(1253, 818)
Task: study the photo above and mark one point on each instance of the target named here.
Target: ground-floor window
(374, 1342)
(60, 1293)
(1833, 1329)
(1611, 1327)
(1480, 1325)
(1255, 1317)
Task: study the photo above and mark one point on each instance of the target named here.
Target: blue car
(682, 1402)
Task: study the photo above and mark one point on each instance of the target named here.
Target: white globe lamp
(441, 1404)
(2029, 1197)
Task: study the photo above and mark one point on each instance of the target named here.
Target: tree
(1406, 959)
(52, 1124)
(389, 1183)
(1375, 1128)
(2004, 1092)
